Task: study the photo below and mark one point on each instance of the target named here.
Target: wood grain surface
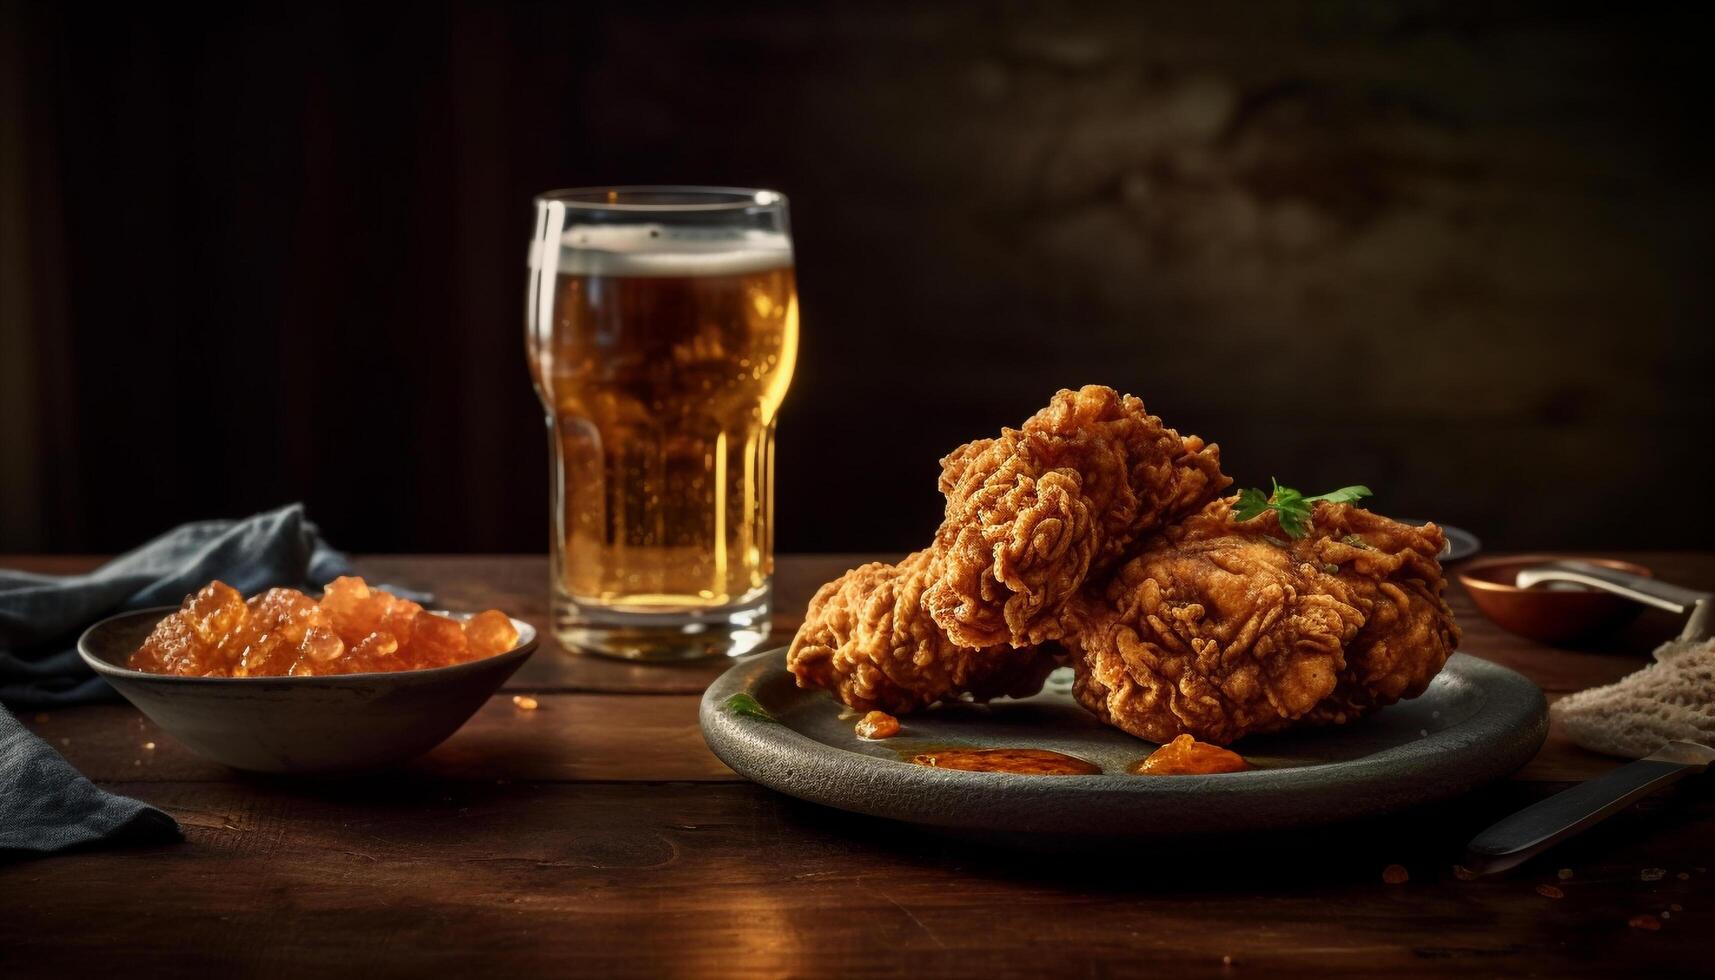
(597, 835)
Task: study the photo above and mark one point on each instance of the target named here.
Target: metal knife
(1536, 828)
(1540, 826)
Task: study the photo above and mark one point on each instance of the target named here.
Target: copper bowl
(1547, 615)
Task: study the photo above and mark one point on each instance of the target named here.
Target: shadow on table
(680, 827)
(1427, 841)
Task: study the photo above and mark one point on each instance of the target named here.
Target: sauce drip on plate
(1027, 762)
(877, 724)
(1185, 756)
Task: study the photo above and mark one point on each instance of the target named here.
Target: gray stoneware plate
(1477, 722)
(301, 724)
(1461, 544)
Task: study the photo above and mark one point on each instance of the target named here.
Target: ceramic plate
(1460, 544)
(1477, 722)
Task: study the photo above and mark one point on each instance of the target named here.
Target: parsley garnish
(746, 706)
(1293, 507)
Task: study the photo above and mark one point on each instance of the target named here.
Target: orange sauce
(1185, 756)
(1027, 762)
(877, 724)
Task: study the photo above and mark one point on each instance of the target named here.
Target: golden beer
(662, 347)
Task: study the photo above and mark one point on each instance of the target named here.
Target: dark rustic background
(1459, 252)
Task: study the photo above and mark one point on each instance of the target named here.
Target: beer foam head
(664, 250)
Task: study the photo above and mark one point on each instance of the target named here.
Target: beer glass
(661, 331)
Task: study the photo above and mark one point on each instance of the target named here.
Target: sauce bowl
(301, 724)
(1553, 615)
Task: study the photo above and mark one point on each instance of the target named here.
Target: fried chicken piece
(1409, 631)
(1033, 514)
(869, 640)
(1213, 635)
(1221, 628)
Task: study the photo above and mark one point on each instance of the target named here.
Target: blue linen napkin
(46, 806)
(41, 616)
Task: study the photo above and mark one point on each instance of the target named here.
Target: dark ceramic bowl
(300, 724)
(1546, 614)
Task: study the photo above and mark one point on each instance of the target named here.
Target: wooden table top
(599, 835)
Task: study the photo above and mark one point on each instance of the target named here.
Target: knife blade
(1541, 825)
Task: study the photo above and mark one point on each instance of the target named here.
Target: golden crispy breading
(868, 639)
(1032, 514)
(1213, 638)
(1214, 628)
(1409, 631)
(1219, 628)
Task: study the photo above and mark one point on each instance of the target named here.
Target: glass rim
(697, 197)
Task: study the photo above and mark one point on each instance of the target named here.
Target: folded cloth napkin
(41, 616)
(45, 806)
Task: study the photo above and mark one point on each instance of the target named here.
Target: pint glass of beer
(661, 330)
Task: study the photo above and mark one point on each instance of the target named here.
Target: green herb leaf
(1344, 495)
(744, 705)
(1251, 504)
(1294, 518)
(1293, 508)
